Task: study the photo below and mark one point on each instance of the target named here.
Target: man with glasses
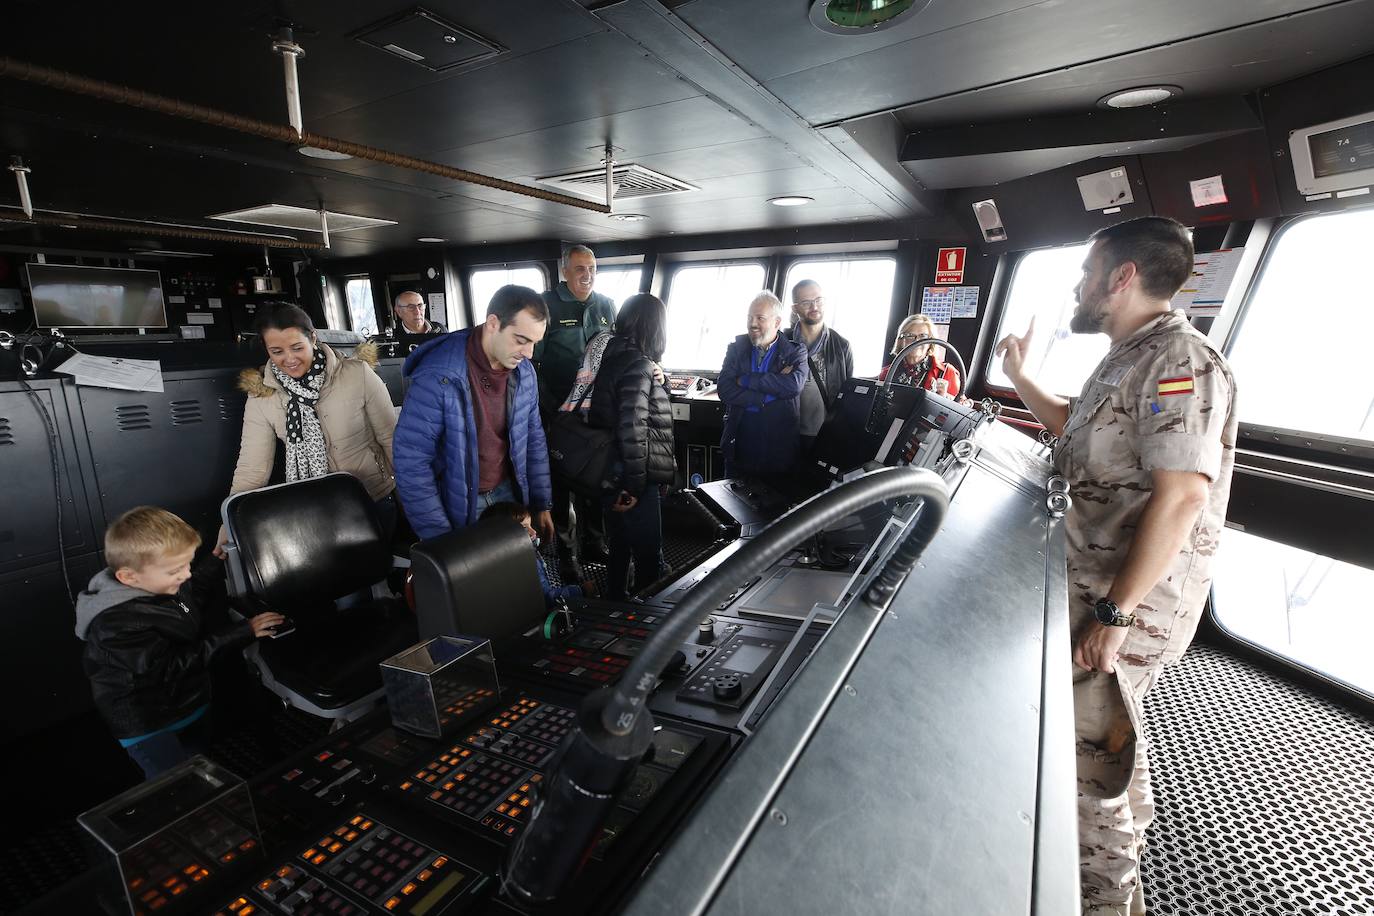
(830, 358)
(410, 311)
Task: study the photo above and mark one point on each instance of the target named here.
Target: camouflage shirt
(1162, 399)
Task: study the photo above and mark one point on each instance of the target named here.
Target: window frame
(476, 310)
(670, 275)
(372, 295)
(1336, 448)
(894, 255)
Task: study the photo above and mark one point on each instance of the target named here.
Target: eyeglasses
(409, 308)
(810, 303)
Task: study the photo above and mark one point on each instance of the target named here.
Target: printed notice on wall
(1205, 292)
(1207, 191)
(937, 303)
(965, 302)
(436, 306)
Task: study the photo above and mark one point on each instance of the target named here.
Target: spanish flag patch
(1169, 386)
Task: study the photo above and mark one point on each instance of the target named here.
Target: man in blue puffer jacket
(469, 433)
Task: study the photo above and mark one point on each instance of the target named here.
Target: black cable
(628, 697)
(49, 426)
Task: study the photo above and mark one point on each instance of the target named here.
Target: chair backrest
(477, 581)
(307, 540)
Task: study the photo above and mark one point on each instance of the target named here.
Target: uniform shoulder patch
(1180, 385)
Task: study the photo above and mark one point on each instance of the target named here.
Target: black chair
(477, 581)
(315, 551)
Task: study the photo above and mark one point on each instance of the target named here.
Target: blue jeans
(636, 533)
(158, 754)
(503, 492)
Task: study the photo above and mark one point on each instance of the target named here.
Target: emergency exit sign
(949, 267)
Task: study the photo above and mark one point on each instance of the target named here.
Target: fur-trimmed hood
(259, 383)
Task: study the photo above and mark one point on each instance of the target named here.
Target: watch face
(1106, 612)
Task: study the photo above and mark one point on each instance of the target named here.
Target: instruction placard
(937, 303)
(1205, 291)
(965, 302)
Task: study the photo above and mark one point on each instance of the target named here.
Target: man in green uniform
(1147, 449)
(576, 315)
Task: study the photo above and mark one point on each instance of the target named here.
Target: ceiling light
(628, 217)
(430, 238)
(288, 216)
(860, 17)
(314, 152)
(1138, 97)
(790, 200)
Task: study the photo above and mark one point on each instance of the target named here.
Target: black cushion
(317, 538)
(477, 581)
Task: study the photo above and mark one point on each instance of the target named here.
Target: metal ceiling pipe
(165, 105)
(21, 177)
(289, 51)
(73, 221)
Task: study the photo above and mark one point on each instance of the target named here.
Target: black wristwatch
(1109, 615)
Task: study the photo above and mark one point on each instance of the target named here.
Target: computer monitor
(66, 296)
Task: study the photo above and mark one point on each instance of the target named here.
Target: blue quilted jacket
(435, 447)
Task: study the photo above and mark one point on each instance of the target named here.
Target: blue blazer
(762, 409)
(435, 445)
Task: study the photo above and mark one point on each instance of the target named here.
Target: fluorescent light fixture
(628, 217)
(314, 152)
(1139, 97)
(404, 52)
(430, 238)
(286, 216)
(791, 200)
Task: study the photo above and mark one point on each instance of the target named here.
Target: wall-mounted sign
(949, 266)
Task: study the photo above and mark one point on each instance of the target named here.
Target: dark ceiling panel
(1043, 37)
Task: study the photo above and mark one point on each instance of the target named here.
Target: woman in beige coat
(333, 413)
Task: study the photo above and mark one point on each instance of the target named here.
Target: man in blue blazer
(469, 433)
(761, 384)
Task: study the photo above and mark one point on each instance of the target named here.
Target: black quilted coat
(628, 400)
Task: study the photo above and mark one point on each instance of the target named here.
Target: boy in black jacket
(146, 653)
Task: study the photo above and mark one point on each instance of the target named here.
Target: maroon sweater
(488, 388)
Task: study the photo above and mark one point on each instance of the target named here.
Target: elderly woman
(921, 368)
(332, 413)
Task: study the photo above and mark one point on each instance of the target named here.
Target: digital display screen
(1338, 152)
(746, 658)
(96, 297)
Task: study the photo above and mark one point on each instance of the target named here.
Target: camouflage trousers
(1115, 804)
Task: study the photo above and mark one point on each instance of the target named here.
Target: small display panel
(96, 297)
(746, 658)
(1341, 151)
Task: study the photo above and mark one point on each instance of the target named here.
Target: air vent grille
(186, 412)
(129, 417)
(6, 436)
(631, 181)
(231, 409)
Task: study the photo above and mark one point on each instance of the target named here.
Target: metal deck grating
(1264, 795)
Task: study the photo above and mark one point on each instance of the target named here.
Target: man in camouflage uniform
(1147, 449)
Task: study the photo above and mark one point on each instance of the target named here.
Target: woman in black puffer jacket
(630, 398)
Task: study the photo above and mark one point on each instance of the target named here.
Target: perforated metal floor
(1264, 795)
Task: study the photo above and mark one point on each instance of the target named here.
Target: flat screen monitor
(96, 297)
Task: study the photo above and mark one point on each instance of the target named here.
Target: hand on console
(270, 624)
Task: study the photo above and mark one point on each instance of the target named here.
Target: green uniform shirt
(571, 324)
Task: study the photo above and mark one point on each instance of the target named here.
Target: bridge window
(707, 309)
(485, 281)
(1300, 605)
(362, 313)
(858, 303)
(618, 283)
(1042, 287)
(1300, 355)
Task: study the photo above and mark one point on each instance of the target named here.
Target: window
(485, 281)
(707, 309)
(1315, 278)
(858, 303)
(618, 283)
(1297, 604)
(1042, 287)
(362, 314)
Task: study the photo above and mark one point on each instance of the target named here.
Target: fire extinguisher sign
(949, 267)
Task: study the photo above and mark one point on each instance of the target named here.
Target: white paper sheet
(114, 372)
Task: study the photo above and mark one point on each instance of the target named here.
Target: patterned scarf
(305, 450)
(586, 373)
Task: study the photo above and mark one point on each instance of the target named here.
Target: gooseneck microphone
(614, 730)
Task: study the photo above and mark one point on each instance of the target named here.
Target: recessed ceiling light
(1139, 97)
(628, 217)
(858, 17)
(430, 238)
(314, 152)
(791, 200)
